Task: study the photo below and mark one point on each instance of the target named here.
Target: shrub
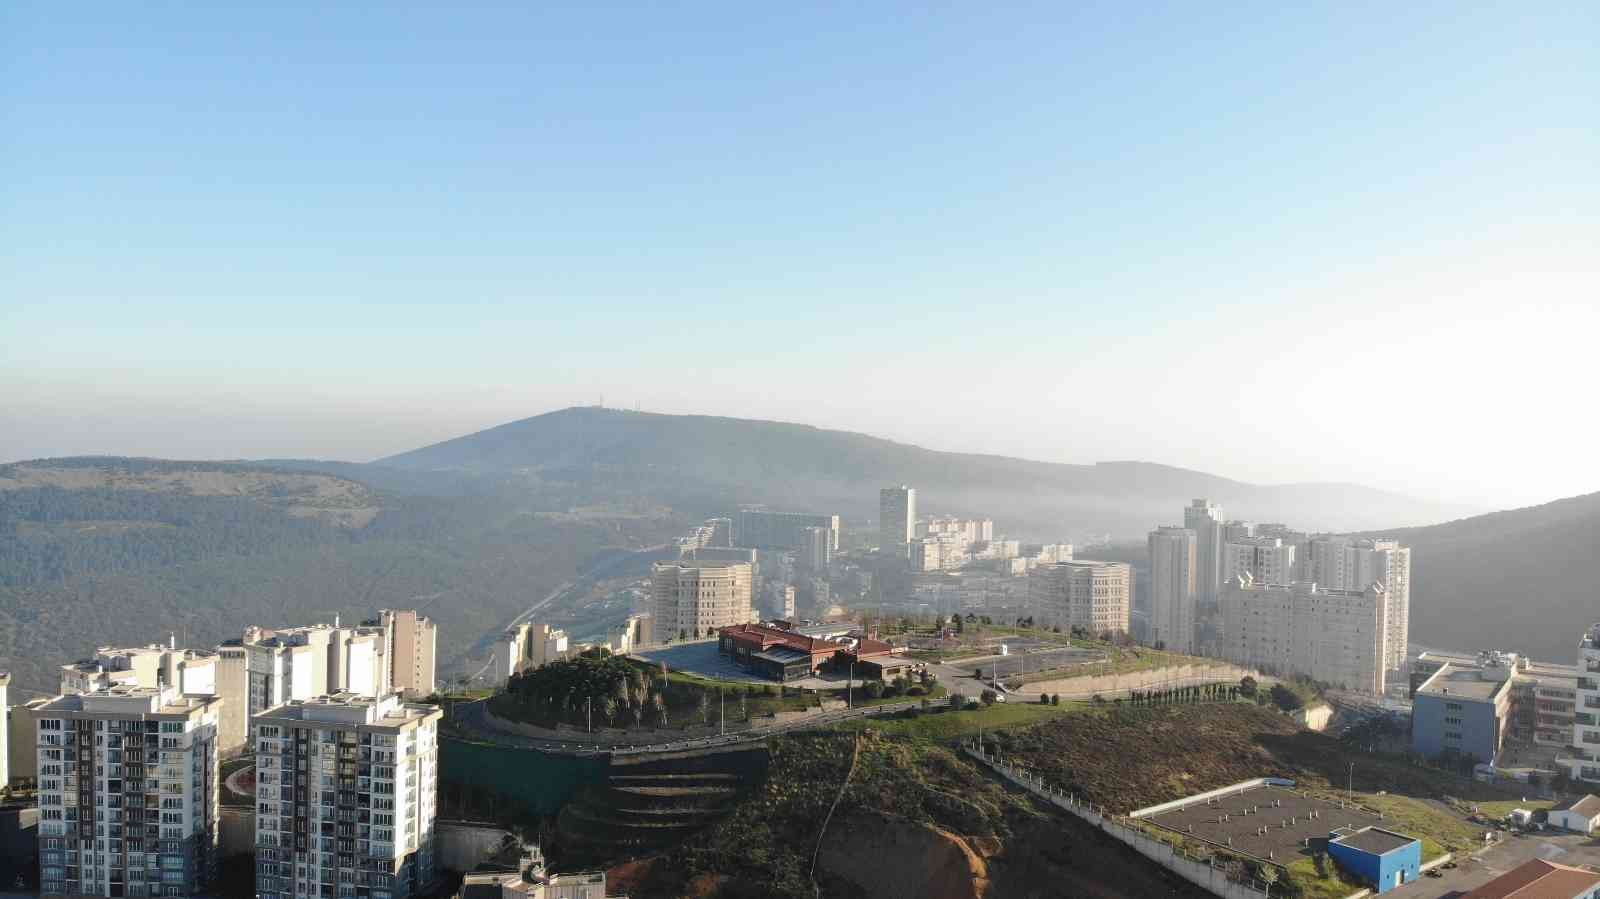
(972, 705)
(1055, 698)
(988, 697)
(1044, 698)
(916, 690)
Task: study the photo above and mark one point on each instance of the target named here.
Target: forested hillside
(1517, 580)
(99, 551)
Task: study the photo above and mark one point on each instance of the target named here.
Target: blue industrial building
(1461, 711)
(1380, 858)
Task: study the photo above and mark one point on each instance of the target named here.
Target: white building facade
(1174, 555)
(1334, 636)
(346, 793)
(127, 792)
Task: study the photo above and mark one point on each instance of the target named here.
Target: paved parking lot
(1471, 873)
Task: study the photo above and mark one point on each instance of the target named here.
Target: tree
(1044, 698)
(988, 697)
(1285, 698)
(1268, 875)
(1055, 698)
(1247, 686)
(705, 707)
(874, 689)
(956, 701)
(608, 709)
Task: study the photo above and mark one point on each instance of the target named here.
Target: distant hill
(111, 550)
(1520, 580)
(713, 463)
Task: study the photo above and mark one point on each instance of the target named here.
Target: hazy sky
(1278, 244)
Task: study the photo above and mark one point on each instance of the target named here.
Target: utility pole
(590, 704)
(849, 687)
(722, 709)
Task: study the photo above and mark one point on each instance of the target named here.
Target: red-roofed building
(789, 655)
(1539, 879)
(778, 654)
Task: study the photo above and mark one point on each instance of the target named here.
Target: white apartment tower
(1205, 519)
(127, 792)
(897, 518)
(1334, 636)
(1352, 563)
(1173, 559)
(5, 732)
(1081, 593)
(1583, 760)
(413, 642)
(346, 792)
(1268, 560)
(695, 597)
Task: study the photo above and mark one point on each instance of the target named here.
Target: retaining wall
(1200, 872)
(1087, 685)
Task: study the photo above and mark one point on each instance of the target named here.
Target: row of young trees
(1184, 695)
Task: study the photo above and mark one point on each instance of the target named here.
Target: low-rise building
(1379, 858)
(1581, 815)
(1539, 879)
(1462, 710)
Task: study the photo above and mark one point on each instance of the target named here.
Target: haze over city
(1318, 245)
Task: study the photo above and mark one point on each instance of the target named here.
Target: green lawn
(1500, 808)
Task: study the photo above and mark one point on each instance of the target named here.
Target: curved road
(573, 588)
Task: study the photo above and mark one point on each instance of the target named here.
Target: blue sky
(1240, 239)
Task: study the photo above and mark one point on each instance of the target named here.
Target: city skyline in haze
(1274, 245)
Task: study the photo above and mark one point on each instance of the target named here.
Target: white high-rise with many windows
(897, 519)
(1352, 563)
(1173, 556)
(127, 792)
(1205, 519)
(693, 598)
(346, 793)
(1583, 760)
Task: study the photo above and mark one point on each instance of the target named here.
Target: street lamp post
(1349, 785)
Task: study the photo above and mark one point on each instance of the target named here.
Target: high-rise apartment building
(897, 519)
(190, 671)
(1082, 593)
(1205, 519)
(127, 792)
(1268, 560)
(413, 642)
(526, 646)
(5, 731)
(1174, 557)
(346, 793)
(1352, 563)
(781, 530)
(693, 597)
(1333, 636)
(816, 549)
(1583, 759)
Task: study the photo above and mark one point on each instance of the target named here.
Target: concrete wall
(463, 845)
(1110, 684)
(1201, 873)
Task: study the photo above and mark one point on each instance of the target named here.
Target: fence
(1202, 872)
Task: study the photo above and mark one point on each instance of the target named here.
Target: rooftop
(1462, 682)
(1375, 840)
(127, 699)
(1264, 822)
(1587, 806)
(353, 708)
(1537, 879)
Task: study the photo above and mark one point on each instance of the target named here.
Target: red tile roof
(1538, 879)
(761, 638)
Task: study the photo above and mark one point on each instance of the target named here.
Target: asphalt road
(570, 590)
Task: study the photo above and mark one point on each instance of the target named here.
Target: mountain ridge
(732, 460)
